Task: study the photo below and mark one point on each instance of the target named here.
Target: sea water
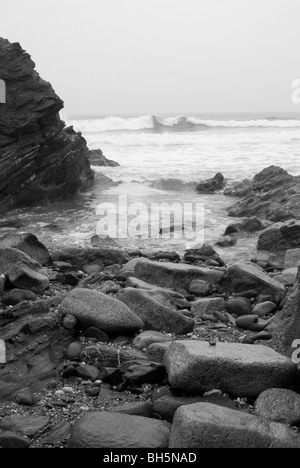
(162, 158)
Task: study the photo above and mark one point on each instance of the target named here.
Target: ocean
(162, 158)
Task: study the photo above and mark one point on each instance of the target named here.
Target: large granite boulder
(94, 309)
(236, 369)
(280, 236)
(174, 275)
(40, 158)
(156, 309)
(279, 405)
(101, 429)
(242, 276)
(22, 271)
(204, 425)
(27, 243)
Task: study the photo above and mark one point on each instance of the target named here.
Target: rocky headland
(40, 158)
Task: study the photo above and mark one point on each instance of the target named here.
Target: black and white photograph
(149, 226)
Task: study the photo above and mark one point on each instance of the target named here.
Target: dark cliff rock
(211, 185)
(274, 195)
(39, 157)
(97, 158)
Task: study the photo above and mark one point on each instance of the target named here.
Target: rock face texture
(273, 194)
(97, 158)
(39, 157)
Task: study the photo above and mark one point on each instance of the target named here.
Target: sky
(161, 56)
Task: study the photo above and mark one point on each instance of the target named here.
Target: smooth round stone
(87, 372)
(25, 397)
(74, 350)
(239, 306)
(279, 405)
(251, 322)
(264, 308)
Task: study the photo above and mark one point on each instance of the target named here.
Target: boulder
(288, 277)
(26, 425)
(204, 425)
(166, 406)
(241, 276)
(239, 306)
(286, 326)
(280, 236)
(157, 351)
(174, 275)
(273, 194)
(279, 405)
(101, 429)
(211, 185)
(292, 258)
(236, 369)
(205, 253)
(41, 159)
(146, 338)
(140, 372)
(18, 295)
(264, 308)
(238, 189)
(11, 440)
(245, 224)
(92, 308)
(157, 310)
(208, 305)
(27, 243)
(79, 256)
(22, 271)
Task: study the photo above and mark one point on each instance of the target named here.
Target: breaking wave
(152, 123)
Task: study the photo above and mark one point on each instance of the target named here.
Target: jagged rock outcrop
(211, 185)
(39, 157)
(274, 195)
(97, 158)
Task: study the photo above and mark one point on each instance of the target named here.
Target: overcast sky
(161, 56)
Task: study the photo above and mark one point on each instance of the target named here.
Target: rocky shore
(184, 350)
